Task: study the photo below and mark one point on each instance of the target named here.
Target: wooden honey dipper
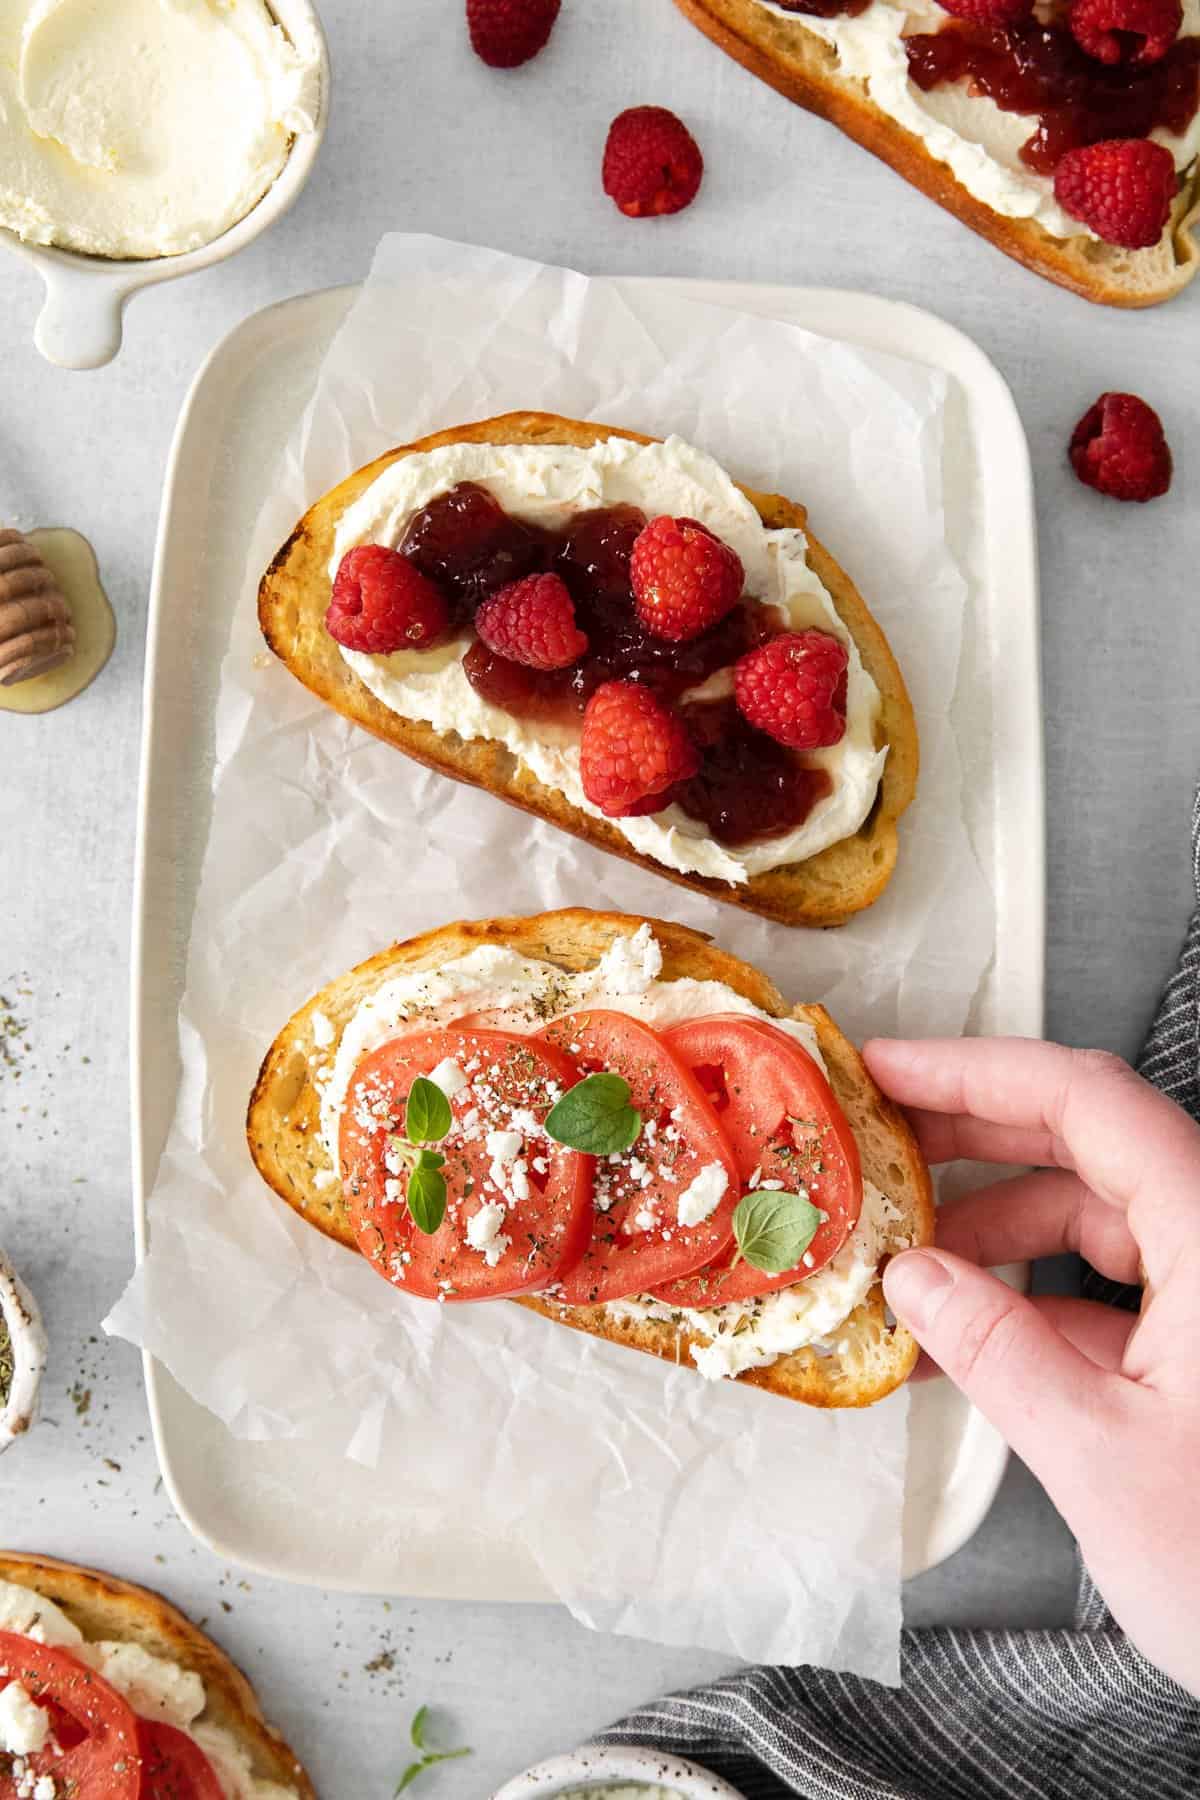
(36, 629)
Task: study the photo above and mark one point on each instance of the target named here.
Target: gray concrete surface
(422, 138)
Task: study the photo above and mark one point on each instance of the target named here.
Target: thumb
(1039, 1392)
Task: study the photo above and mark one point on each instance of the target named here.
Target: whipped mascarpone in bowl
(979, 143)
(134, 129)
(544, 484)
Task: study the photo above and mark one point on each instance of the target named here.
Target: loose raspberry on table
(381, 603)
(652, 163)
(532, 622)
(506, 33)
(1119, 447)
(793, 687)
(684, 578)
(633, 749)
(1125, 31)
(989, 12)
(1123, 188)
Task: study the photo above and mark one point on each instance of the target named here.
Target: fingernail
(917, 1285)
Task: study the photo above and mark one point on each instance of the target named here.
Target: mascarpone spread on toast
(979, 143)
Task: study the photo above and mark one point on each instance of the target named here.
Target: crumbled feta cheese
(503, 1146)
(702, 1196)
(644, 1219)
(24, 1725)
(630, 964)
(484, 1233)
(449, 1077)
(322, 1030)
(45, 1788)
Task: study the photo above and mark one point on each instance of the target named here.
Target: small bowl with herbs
(612, 1772)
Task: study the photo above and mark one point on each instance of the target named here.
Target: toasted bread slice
(104, 1607)
(801, 65)
(283, 1128)
(823, 890)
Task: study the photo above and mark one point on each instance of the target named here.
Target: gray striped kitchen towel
(980, 1715)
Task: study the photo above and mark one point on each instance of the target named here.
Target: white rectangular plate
(254, 1503)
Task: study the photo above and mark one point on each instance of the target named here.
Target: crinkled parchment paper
(653, 1502)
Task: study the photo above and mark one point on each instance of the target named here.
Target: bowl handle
(81, 321)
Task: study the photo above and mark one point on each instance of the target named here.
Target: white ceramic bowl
(601, 1765)
(81, 321)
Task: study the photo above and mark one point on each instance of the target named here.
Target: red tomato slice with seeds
(174, 1767)
(518, 1210)
(786, 1129)
(95, 1729)
(642, 1235)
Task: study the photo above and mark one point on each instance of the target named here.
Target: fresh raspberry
(989, 12)
(1119, 448)
(506, 33)
(532, 622)
(684, 578)
(652, 163)
(1122, 188)
(793, 687)
(1125, 31)
(632, 750)
(381, 603)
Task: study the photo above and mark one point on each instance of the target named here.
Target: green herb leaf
(427, 1117)
(773, 1229)
(595, 1116)
(430, 1159)
(430, 1758)
(426, 1198)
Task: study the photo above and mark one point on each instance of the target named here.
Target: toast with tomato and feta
(153, 1709)
(617, 1124)
(606, 631)
(1068, 135)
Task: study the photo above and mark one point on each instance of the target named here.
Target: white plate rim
(866, 320)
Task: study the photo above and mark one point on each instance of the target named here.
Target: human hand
(1103, 1405)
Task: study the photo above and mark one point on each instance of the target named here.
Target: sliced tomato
(638, 1240)
(786, 1130)
(94, 1729)
(174, 1767)
(538, 1198)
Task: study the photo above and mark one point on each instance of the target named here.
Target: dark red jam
(748, 786)
(1040, 70)
(826, 9)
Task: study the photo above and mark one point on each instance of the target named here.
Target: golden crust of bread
(283, 1130)
(824, 890)
(803, 67)
(103, 1606)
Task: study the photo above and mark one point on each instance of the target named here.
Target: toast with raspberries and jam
(1067, 132)
(605, 630)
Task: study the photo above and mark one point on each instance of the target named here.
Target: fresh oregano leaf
(427, 1117)
(595, 1116)
(430, 1758)
(774, 1228)
(427, 1194)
